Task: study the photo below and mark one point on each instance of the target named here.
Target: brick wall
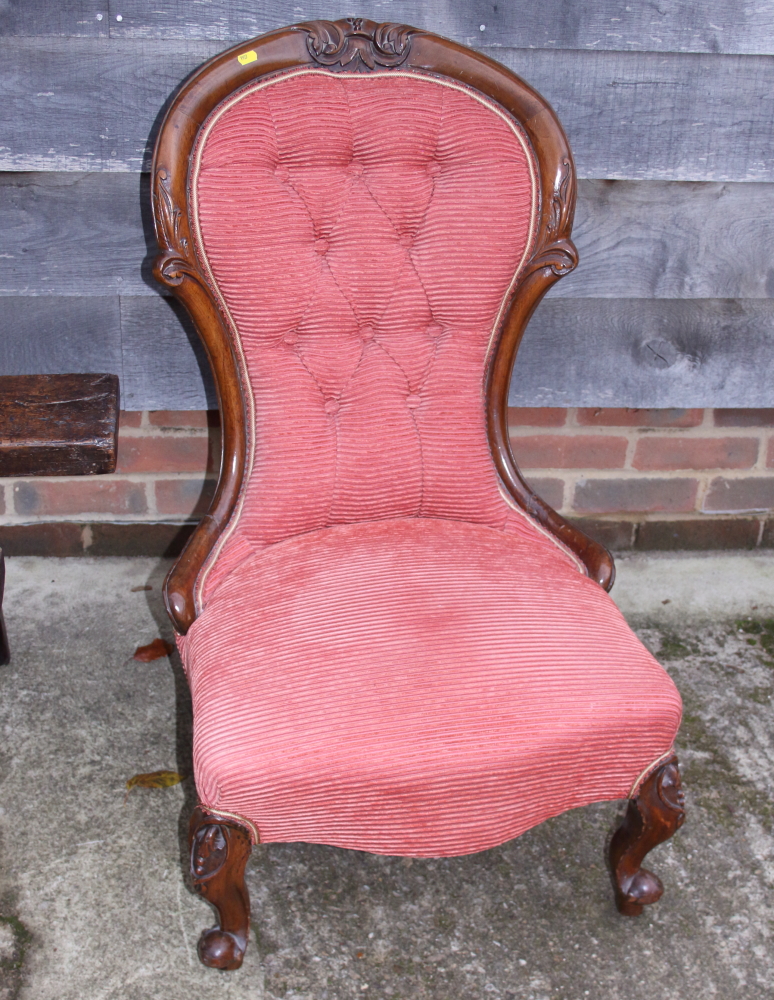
(649, 479)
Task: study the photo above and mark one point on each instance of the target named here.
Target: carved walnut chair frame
(219, 845)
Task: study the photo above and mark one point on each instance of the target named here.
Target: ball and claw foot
(219, 853)
(653, 816)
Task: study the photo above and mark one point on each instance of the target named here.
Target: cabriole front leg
(219, 853)
(653, 816)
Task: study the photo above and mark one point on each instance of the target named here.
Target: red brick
(568, 451)
(751, 417)
(536, 416)
(550, 490)
(129, 418)
(631, 496)
(80, 496)
(732, 496)
(58, 538)
(655, 453)
(165, 454)
(184, 497)
(184, 418)
(614, 535)
(699, 533)
(620, 417)
(138, 539)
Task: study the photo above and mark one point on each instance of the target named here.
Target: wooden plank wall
(668, 109)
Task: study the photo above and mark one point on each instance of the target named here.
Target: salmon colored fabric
(389, 655)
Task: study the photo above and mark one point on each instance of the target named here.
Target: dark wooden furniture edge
(58, 425)
(219, 850)
(355, 45)
(653, 815)
(5, 651)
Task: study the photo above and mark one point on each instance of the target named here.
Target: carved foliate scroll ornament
(209, 851)
(358, 44)
(559, 253)
(177, 258)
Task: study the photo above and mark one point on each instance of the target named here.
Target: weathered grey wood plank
(53, 335)
(164, 364)
(76, 234)
(589, 352)
(95, 104)
(91, 234)
(88, 18)
(672, 239)
(647, 353)
(745, 26)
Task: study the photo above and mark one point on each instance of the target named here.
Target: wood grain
(577, 352)
(71, 18)
(86, 234)
(94, 104)
(745, 26)
(647, 353)
(53, 334)
(58, 425)
(164, 363)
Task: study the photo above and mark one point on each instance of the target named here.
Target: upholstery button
(321, 246)
(407, 241)
(282, 174)
(291, 337)
(434, 329)
(331, 406)
(356, 168)
(433, 168)
(413, 401)
(367, 332)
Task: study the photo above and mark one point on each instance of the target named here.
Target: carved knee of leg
(653, 816)
(219, 853)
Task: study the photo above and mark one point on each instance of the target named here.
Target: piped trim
(649, 770)
(201, 142)
(216, 814)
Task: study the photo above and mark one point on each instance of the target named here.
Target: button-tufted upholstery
(363, 231)
(389, 655)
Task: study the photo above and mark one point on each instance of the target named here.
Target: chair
(392, 643)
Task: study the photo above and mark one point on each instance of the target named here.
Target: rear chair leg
(219, 853)
(657, 811)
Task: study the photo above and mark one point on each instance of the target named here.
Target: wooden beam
(576, 352)
(95, 104)
(164, 364)
(54, 334)
(87, 234)
(70, 18)
(58, 425)
(690, 26)
(647, 353)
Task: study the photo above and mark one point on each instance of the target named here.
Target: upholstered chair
(393, 645)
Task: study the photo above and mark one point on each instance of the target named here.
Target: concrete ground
(94, 905)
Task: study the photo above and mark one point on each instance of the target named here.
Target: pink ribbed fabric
(389, 657)
(362, 232)
(417, 686)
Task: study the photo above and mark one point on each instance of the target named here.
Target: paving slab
(93, 900)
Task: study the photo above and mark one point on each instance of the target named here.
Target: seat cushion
(419, 687)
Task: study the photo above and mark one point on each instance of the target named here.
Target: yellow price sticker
(248, 57)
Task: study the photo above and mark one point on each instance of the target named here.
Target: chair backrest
(361, 219)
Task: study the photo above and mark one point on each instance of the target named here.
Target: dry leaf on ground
(153, 651)
(153, 779)
(136, 590)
